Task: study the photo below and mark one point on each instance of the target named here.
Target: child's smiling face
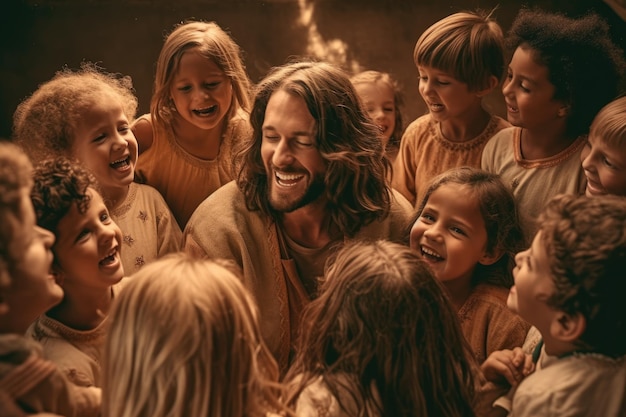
(605, 167)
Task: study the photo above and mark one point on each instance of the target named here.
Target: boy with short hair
(570, 286)
(27, 289)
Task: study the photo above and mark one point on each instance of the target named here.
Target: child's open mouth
(120, 163)
(206, 111)
(430, 255)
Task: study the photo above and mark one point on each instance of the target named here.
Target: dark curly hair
(583, 63)
(585, 240)
(356, 187)
(59, 183)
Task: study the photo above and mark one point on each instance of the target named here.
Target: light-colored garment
(222, 227)
(77, 353)
(37, 385)
(488, 325)
(425, 153)
(148, 227)
(316, 400)
(183, 179)
(534, 182)
(579, 385)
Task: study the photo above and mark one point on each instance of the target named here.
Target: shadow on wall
(40, 37)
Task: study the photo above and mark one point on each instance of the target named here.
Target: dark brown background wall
(38, 37)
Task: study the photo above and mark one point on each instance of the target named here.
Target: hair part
(44, 124)
(356, 185)
(500, 214)
(213, 43)
(566, 46)
(373, 77)
(609, 125)
(585, 240)
(384, 321)
(467, 45)
(190, 328)
(59, 184)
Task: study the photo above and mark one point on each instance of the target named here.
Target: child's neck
(201, 143)
(466, 127)
(543, 143)
(85, 311)
(459, 291)
(115, 196)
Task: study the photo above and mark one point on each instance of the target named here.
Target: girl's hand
(510, 365)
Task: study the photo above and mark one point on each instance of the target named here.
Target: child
(191, 329)
(87, 265)
(552, 92)
(198, 117)
(28, 289)
(457, 127)
(468, 231)
(382, 98)
(382, 339)
(570, 285)
(604, 154)
(86, 115)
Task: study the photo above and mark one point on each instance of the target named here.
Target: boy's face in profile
(533, 286)
(88, 247)
(605, 167)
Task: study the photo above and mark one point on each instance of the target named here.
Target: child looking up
(457, 127)
(604, 154)
(468, 231)
(570, 286)
(191, 329)
(198, 116)
(381, 339)
(382, 99)
(87, 264)
(552, 93)
(27, 290)
(86, 115)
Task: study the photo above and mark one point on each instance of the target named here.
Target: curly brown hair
(356, 185)
(59, 183)
(585, 240)
(44, 123)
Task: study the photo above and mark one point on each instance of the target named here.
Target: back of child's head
(373, 77)
(584, 64)
(383, 319)
(585, 240)
(59, 184)
(609, 125)
(184, 340)
(15, 180)
(213, 43)
(472, 39)
(45, 123)
(499, 212)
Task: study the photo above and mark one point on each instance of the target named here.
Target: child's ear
(491, 257)
(568, 328)
(493, 83)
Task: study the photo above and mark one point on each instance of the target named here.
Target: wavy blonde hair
(184, 340)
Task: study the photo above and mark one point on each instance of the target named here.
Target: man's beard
(285, 205)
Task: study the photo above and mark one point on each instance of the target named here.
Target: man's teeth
(288, 179)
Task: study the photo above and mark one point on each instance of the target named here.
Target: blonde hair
(372, 77)
(609, 125)
(184, 340)
(467, 45)
(214, 44)
(44, 124)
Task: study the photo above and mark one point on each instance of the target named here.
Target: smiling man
(313, 176)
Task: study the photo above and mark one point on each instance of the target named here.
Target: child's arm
(511, 365)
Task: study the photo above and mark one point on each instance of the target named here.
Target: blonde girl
(382, 98)
(184, 340)
(382, 339)
(467, 230)
(460, 59)
(86, 115)
(198, 116)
